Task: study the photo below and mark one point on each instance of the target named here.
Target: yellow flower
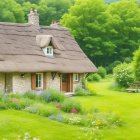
(90, 87)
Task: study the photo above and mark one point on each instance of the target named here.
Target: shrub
(41, 109)
(123, 74)
(70, 104)
(95, 120)
(102, 72)
(89, 91)
(52, 95)
(14, 103)
(94, 77)
(30, 94)
(111, 66)
(128, 60)
(81, 92)
(47, 111)
(136, 64)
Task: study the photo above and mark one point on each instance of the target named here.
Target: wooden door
(67, 82)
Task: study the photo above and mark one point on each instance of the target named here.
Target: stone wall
(21, 83)
(2, 82)
(53, 83)
(9, 82)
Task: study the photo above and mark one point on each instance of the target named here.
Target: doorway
(66, 82)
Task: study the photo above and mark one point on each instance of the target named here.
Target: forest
(111, 28)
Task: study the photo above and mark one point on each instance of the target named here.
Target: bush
(47, 111)
(14, 103)
(136, 63)
(30, 94)
(102, 72)
(69, 104)
(95, 120)
(89, 91)
(128, 60)
(51, 95)
(123, 74)
(81, 92)
(94, 77)
(111, 66)
(41, 109)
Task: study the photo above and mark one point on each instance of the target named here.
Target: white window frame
(75, 77)
(48, 51)
(40, 80)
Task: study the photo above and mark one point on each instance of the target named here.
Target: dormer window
(48, 51)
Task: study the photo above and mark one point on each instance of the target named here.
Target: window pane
(76, 77)
(47, 50)
(39, 79)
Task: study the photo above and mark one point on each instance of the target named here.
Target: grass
(126, 105)
(14, 123)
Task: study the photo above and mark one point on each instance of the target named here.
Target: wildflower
(48, 96)
(73, 110)
(15, 100)
(52, 117)
(58, 106)
(60, 118)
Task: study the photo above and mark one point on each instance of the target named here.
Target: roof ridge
(14, 24)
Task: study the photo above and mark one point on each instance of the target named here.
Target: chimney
(33, 18)
(55, 24)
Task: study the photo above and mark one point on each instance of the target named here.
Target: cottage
(34, 57)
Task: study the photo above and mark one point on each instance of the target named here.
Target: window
(48, 51)
(76, 77)
(39, 80)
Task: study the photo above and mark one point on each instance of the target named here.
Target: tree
(124, 27)
(11, 11)
(106, 32)
(51, 10)
(136, 63)
(87, 20)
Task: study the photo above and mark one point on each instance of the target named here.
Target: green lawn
(14, 123)
(126, 105)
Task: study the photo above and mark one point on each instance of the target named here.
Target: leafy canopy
(106, 32)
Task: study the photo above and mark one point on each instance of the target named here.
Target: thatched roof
(20, 52)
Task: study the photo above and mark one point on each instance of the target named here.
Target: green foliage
(123, 74)
(94, 77)
(41, 109)
(11, 11)
(102, 71)
(112, 65)
(30, 94)
(136, 63)
(85, 92)
(81, 92)
(52, 95)
(70, 104)
(110, 30)
(107, 120)
(49, 10)
(7, 102)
